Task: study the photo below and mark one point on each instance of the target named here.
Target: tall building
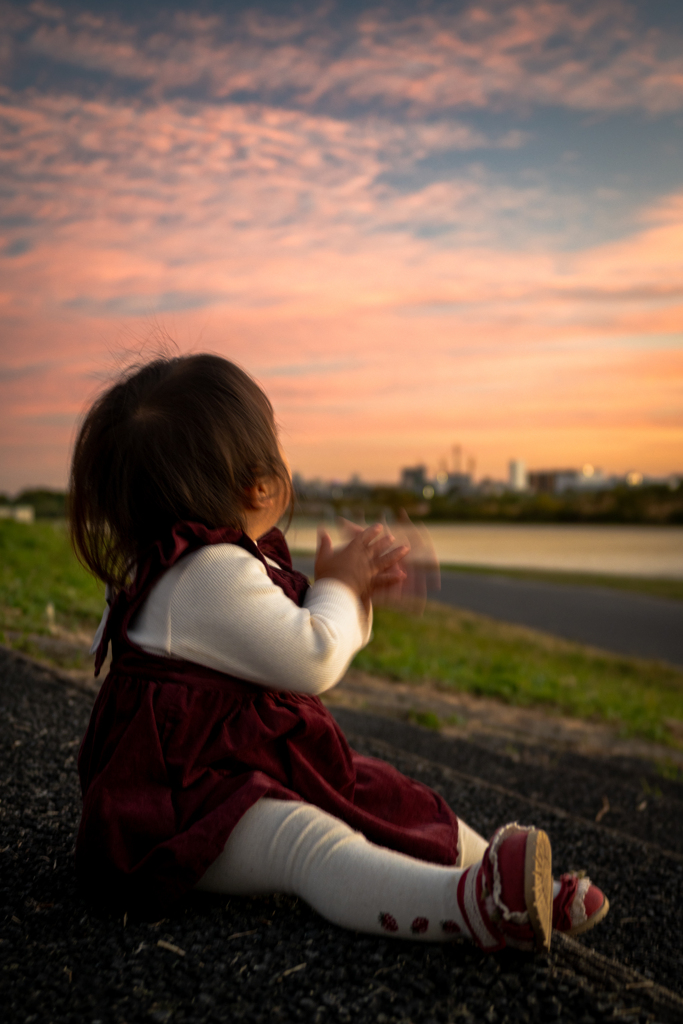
(457, 458)
(517, 478)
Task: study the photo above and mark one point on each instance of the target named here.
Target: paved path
(615, 620)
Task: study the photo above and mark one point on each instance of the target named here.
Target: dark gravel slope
(644, 883)
(272, 959)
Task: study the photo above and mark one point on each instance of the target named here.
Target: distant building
(553, 481)
(593, 479)
(298, 483)
(489, 488)
(517, 476)
(451, 483)
(441, 482)
(459, 483)
(414, 478)
(355, 488)
(559, 481)
(21, 513)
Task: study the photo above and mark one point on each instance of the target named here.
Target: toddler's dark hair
(180, 438)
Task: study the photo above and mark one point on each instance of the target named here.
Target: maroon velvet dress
(175, 753)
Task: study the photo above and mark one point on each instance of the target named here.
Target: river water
(655, 551)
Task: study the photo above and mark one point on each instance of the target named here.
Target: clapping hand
(394, 567)
(370, 560)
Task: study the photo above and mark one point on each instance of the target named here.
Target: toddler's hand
(369, 560)
(420, 569)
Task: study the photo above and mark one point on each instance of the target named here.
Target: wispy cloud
(586, 56)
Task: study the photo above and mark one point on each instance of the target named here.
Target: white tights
(291, 847)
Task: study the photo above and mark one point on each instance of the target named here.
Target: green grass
(427, 719)
(430, 720)
(471, 653)
(657, 587)
(37, 568)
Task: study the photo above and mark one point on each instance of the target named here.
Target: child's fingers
(375, 534)
(385, 559)
(351, 530)
(380, 546)
(423, 558)
(324, 544)
(371, 533)
(388, 577)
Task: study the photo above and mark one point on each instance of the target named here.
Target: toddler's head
(180, 438)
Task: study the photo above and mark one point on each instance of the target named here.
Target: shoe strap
(562, 904)
(471, 901)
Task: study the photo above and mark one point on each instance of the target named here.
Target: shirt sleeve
(219, 608)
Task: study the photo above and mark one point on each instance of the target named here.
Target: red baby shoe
(507, 900)
(579, 905)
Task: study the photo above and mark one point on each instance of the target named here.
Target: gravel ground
(644, 883)
(273, 959)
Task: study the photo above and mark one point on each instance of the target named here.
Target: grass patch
(471, 653)
(430, 720)
(661, 587)
(427, 719)
(38, 568)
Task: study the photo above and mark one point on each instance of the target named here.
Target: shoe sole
(538, 887)
(594, 919)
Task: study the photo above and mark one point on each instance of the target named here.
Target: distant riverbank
(647, 551)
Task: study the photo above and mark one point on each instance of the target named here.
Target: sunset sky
(417, 224)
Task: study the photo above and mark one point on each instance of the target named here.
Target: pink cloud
(489, 54)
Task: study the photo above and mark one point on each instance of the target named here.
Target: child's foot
(507, 899)
(578, 905)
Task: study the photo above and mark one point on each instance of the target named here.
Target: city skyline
(410, 224)
(515, 479)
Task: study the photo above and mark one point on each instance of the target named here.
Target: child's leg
(471, 846)
(283, 846)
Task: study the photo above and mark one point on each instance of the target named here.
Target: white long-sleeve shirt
(217, 607)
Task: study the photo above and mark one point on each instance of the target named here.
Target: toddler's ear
(259, 495)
